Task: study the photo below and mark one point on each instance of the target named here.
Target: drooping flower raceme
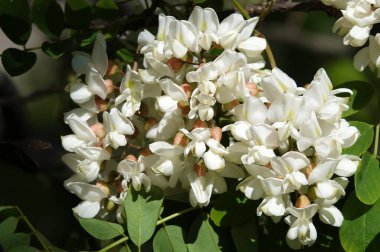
(202, 108)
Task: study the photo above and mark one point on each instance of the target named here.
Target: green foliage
(232, 208)
(15, 21)
(362, 95)
(106, 9)
(78, 13)
(169, 238)
(245, 236)
(360, 226)
(364, 141)
(367, 179)
(142, 210)
(48, 16)
(57, 49)
(17, 62)
(8, 226)
(125, 55)
(101, 230)
(202, 236)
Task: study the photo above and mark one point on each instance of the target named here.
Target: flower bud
(184, 107)
(131, 157)
(101, 104)
(200, 168)
(150, 123)
(309, 169)
(230, 105)
(109, 86)
(103, 186)
(146, 152)
(180, 139)
(187, 89)
(200, 124)
(216, 133)
(302, 201)
(112, 68)
(175, 64)
(252, 87)
(109, 205)
(98, 129)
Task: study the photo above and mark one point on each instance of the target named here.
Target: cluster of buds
(203, 109)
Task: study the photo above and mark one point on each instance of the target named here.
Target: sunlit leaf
(101, 230)
(17, 62)
(202, 236)
(169, 238)
(367, 179)
(48, 16)
(142, 211)
(360, 226)
(364, 141)
(15, 21)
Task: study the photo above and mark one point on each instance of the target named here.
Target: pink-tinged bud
(175, 64)
(200, 168)
(112, 68)
(184, 107)
(150, 123)
(109, 86)
(309, 169)
(187, 89)
(252, 87)
(101, 104)
(200, 124)
(120, 188)
(103, 186)
(98, 129)
(306, 86)
(100, 143)
(216, 133)
(131, 157)
(109, 149)
(180, 139)
(302, 202)
(144, 109)
(230, 105)
(146, 152)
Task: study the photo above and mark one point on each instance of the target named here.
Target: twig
(125, 238)
(163, 220)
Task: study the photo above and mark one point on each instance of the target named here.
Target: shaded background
(32, 107)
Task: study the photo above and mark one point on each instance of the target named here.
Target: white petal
(173, 90)
(324, 170)
(87, 209)
(331, 215)
(253, 46)
(99, 54)
(86, 191)
(361, 59)
(213, 161)
(80, 62)
(80, 93)
(96, 83)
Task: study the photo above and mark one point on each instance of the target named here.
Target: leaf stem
(34, 231)
(268, 50)
(163, 220)
(32, 48)
(125, 238)
(241, 9)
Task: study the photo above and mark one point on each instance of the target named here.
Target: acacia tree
(183, 102)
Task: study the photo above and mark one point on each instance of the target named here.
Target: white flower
(91, 196)
(302, 230)
(133, 171)
(89, 169)
(275, 202)
(117, 126)
(369, 56)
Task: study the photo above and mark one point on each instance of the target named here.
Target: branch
(286, 5)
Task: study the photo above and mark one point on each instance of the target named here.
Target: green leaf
(360, 226)
(362, 95)
(8, 226)
(17, 62)
(78, 13)
(364, 141)
(14, 20)
(142, 210)
(23, 249)
(367, 179)
(100, 229)
(245, 237)
(125, 55)
(106, 9)
(199, 1)
(57, 49)
(5, 207)
(15, 240)
(169, 238)
(205, 238)
(48, 16)
(232, 208)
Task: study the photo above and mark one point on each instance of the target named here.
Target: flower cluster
(203, 109)
(359, 17)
